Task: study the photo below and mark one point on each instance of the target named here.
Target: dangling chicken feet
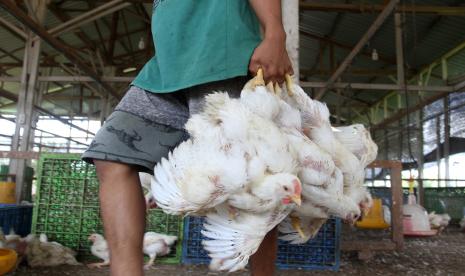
(98, 265)
(289, 83)
(295, 222)
(270, 87)
(277, 90)
(258, 80)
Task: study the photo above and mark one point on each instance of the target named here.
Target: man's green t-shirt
(199, 41)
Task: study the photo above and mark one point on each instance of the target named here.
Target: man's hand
(271, 54)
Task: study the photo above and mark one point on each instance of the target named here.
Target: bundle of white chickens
(268, 157)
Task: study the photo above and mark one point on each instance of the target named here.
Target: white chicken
(221, 159)
(195, 177)
(100, 250)
(323, 185)
(357, 139)
(145, 181)
(13, 241)
(233, 241)
(40, 253)
(438, 221)
(316, 124)
(252, 161)
(156, 245)
(266, 195)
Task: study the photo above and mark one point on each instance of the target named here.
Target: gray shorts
(146, 126)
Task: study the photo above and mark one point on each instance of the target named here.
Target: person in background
(201, 46)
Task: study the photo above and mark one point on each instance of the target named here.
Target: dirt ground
(440, 255)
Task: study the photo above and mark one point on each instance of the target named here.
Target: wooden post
(397, 203)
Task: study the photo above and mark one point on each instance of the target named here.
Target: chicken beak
(259, 81)
(289, 83)
(296, 199)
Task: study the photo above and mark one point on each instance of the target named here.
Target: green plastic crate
(66, 206)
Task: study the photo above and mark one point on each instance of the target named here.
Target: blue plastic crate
(17, 218)
(192, 249)
(320, 253)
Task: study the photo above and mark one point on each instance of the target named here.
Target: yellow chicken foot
(295, 222)
(270, 87)
(258, 80)
(289, 82)
(149, 264)
(277, 90)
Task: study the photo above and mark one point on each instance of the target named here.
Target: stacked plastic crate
(15, 218)
(67, 206)
(320, 253)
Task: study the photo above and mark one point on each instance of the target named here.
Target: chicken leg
(315, 226)
(289, 82)
(270, 87)
(295, 221)
(149, 264)
(258, 80)
(277, 90)
(99, 265)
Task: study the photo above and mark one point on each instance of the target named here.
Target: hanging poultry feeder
(375, 217)
(415, 220)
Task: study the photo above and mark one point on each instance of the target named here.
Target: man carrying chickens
(201, 46)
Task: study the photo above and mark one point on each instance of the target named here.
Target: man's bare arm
(271, 54)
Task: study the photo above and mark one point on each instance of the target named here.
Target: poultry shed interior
(331, 143)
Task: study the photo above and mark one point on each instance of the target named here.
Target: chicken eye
(286, 188)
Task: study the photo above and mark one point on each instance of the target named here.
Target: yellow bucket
(8, 259)
(374, 219)
(7, 192)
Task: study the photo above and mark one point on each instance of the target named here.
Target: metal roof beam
(13, 28)
(44, 131)
(11, 8)
(89, 16)
(375, 8)
(378, 86)
(351, 71)
(12, 97)
(64, 17)
(460, 86)
(365, 38)
(344, 46)
(406, 111)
